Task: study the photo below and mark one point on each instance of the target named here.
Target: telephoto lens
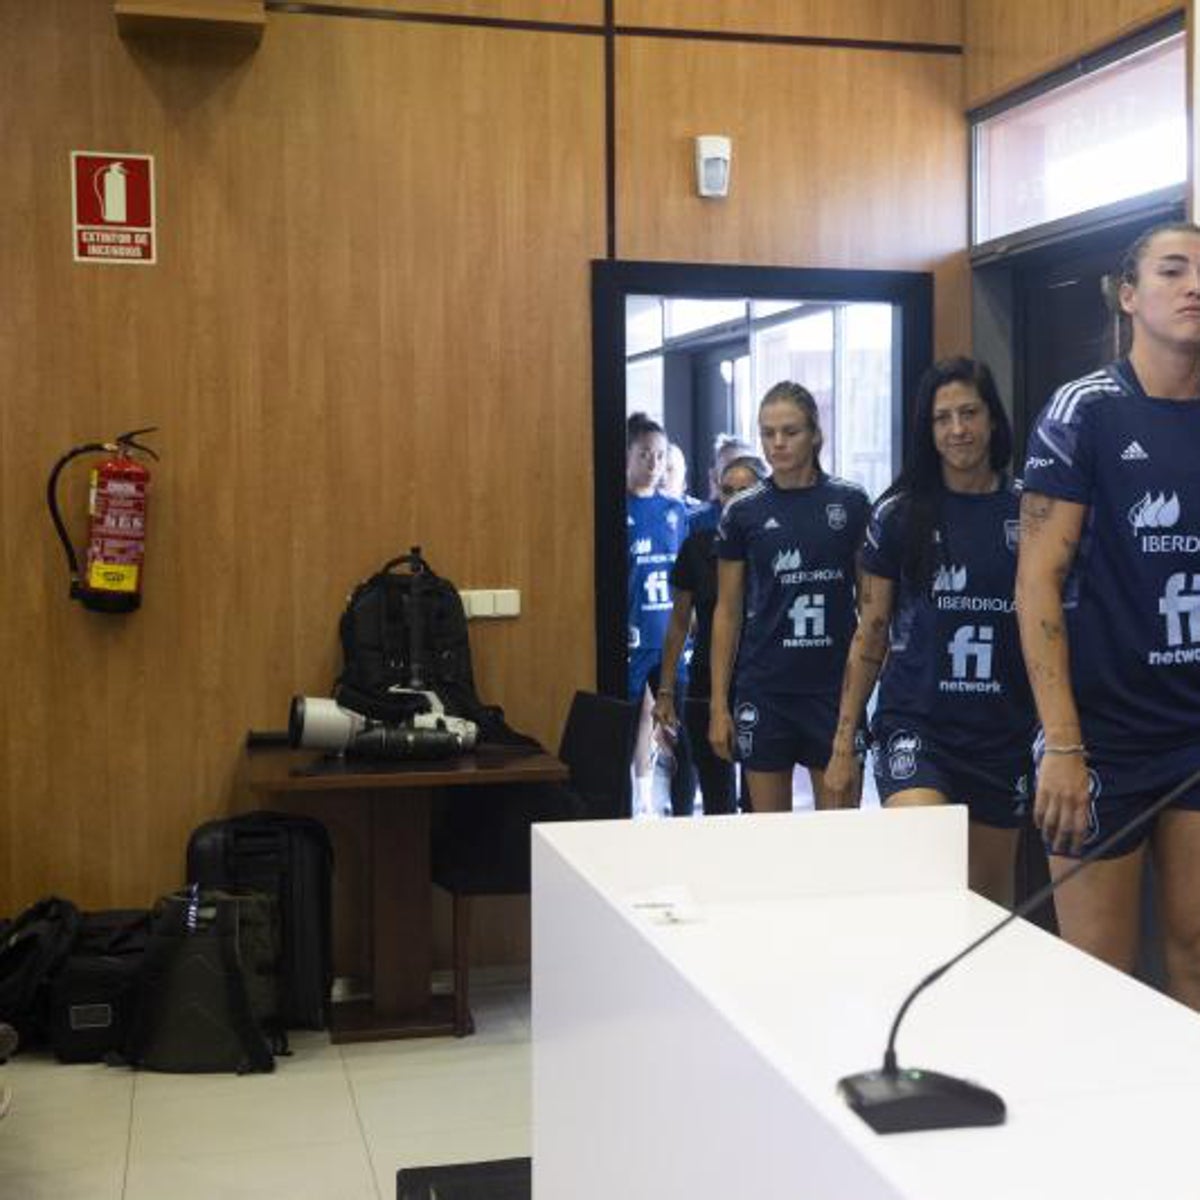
(315, 723)
(393, 741)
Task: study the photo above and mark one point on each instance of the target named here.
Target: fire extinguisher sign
(112, 198)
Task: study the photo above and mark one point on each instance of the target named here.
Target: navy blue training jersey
(954, 664)
(1132, 599)
(799, 546)
(656, 526)
(705, 517)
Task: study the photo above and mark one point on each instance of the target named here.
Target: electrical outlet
(507, 602)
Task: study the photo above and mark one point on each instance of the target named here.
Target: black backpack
(209, 998)
(409, 630)
(94, 992)
(33, 948)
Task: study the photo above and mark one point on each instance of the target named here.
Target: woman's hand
(664, 711)
(720, 732)
(842, 779)
(1062, 805)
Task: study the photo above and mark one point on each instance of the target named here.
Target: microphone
(900, 1100)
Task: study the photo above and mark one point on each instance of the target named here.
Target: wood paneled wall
(866, 20)
(841, 158)
(1009, 42)
(585, 12)
(369, 325)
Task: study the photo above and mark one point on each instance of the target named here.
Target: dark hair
(638, 425)
(920, 483)
(748, 462)
(802, 398)
(1129, 268)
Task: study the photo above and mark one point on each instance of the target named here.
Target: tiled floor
(332, 1122)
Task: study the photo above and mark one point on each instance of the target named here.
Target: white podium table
(699, 1059)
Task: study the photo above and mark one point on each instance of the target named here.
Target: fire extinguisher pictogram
(112, 576)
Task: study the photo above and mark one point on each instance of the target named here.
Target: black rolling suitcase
(291, 858)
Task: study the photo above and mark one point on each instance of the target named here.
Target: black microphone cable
(1031, 902)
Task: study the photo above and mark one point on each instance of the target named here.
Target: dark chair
(505, 1179)
(481, 838)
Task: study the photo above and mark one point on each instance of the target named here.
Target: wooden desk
(399, 799)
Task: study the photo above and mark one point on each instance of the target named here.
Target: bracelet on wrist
(1079, 749)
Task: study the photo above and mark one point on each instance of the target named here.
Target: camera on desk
(317, 723)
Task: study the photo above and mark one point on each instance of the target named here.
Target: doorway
(694, 348)
(908, 293)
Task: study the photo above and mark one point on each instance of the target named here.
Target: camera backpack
(408, 630)
(33, 947)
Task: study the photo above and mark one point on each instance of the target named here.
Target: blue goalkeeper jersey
(656, 526)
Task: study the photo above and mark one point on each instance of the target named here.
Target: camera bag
(408, 630)
(93, 993)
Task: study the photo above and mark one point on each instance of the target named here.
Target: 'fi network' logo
(971, 646)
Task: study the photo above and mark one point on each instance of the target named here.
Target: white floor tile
(180, 1116)
(332, 1122)
(458, 1097)
(63, 1119)
(340, 1171)
(102, 1181)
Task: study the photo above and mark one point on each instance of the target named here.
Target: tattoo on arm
(1035, 512)
(1052, 630)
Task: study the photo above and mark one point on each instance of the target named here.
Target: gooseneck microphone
(899, 1100)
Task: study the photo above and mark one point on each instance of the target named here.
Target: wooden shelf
(236, 18)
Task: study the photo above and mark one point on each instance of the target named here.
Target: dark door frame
(910, 292)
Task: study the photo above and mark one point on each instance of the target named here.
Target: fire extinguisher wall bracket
(111, 581)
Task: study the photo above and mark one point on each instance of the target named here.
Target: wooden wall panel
(1009, 42)
(872, 20)
(368, 327)
(841, 158)
(576, 12)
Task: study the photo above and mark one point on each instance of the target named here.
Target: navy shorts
(996, 791)
(1122, 785)
(774, 732)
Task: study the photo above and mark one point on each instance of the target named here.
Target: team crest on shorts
(1094, 789)
(745, 744)
(1012, 534)
(902, 750)
(1021, 796)
(746, 715)
(835, 514)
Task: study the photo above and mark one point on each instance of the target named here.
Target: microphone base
(910, 1099)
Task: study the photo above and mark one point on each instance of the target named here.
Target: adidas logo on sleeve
(1134, 453)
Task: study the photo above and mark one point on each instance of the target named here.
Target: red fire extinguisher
(112, 576)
